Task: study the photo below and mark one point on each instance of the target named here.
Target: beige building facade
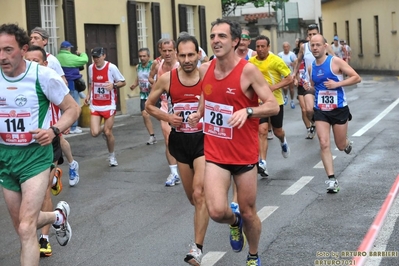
(370, 28)
(120, 26)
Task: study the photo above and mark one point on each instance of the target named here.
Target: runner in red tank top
(168, 62)
(186, 143)
(104, 81)
(229, 105)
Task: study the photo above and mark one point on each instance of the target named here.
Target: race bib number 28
(15, 126)
(215, 120)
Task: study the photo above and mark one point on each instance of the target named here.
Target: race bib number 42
(185, 110)
(215, 120)
(15, 126)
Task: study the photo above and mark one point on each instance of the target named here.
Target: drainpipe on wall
(174, 23)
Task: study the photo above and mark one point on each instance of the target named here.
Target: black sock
(331, 176)
(152, 135)
(255, 256)
(199, 246)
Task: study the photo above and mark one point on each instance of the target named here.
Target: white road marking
(298, 185)
(211, 258)
(364, 129)
(266, 212)
(320, 164)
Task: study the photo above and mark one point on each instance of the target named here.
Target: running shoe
(178, 180)
(74, 175)
(348, 148)
(63, 233)
(312, 130)
(285, 100)
(253, 261)
(292, 105)
(45, 248)
(285, 150)
(112, 161)
(270, 135)
(310, 135)
(234, 207)
(172, 180)
(237, 236)
(332, 185)
(75, 131)
(57, 188)
(152, 140)
(194, 256)
(262, 168)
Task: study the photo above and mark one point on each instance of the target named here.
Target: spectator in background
(71, 63)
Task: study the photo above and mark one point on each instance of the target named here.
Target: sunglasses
(313, 26)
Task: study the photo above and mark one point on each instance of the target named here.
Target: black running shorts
(186, 147)
(337, 116)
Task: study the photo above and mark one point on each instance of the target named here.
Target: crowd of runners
(216, 115)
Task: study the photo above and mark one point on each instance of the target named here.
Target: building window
(347, 32)
(48, 18)
(335, 29)
(393, 22)
(141, 25)
(359, 28)
(377, 36)
(190, 20)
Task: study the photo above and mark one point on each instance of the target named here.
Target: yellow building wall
(339, 11)
(13, 12)
(87, 13)
(115, 13)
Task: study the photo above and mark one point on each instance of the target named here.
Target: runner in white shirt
(289, 59)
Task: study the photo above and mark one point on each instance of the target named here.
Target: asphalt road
(126, 216)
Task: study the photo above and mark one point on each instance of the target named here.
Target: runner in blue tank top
(330, 106)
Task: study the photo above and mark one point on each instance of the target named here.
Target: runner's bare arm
(153, 72)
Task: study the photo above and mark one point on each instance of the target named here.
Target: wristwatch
(56, 130)
(249, 112)
(115, 86)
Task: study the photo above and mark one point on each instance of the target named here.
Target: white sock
(54, 181)
(44, 236)
(173, 169)
(263, 161)
(59, 217)
(112, 154)
(284, 142)
(72, 164)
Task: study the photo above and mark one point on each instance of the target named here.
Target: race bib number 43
(215, 120)
(327, 100)
(100, 93)
(15, 126)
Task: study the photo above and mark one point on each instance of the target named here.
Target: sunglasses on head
(312, 27)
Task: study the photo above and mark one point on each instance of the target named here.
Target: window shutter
(70, 23)
(182, 18)
(33, 16)
(156, 26)
(132, 32)
(203, 31)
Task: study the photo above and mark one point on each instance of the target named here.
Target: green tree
(228, 6)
